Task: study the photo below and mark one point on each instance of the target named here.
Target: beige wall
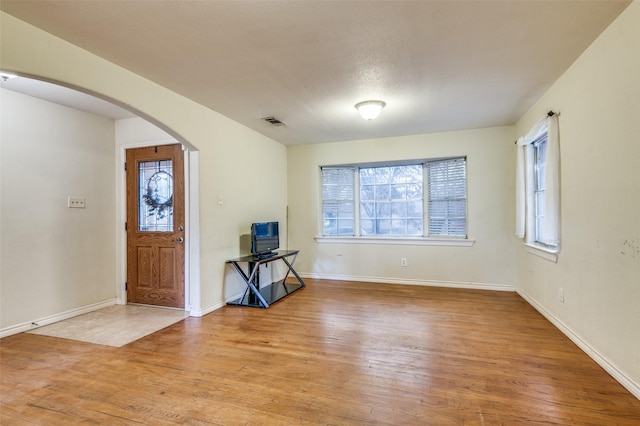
(599, 262)
(488, 263)
(235, 162)
(54, 259)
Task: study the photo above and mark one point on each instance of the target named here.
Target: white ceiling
(439, 65)
(65, 96)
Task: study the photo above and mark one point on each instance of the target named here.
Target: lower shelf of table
(271, 293)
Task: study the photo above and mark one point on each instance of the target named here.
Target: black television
(265, 238)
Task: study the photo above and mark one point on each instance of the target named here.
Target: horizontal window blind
(447, 197)
(338, 203)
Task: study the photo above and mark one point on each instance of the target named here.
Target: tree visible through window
(426, 198)
(391, 200)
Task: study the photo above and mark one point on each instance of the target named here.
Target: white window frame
(544, 240)
(536, 215)
(539, 190)
(340, 202)
(425, 239)
(452, 196)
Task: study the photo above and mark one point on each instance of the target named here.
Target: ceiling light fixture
(370, 109)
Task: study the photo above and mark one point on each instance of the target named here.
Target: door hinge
(126, 286)
(125, 166)
(125, 226)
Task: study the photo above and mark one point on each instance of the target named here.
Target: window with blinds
(447, 197)
(338, 200)
(412, 199)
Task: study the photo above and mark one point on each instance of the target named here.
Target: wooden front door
(155, 225)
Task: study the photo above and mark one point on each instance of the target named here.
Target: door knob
(180, 240)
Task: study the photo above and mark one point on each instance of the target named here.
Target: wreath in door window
(159, 196)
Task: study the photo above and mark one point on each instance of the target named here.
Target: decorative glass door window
(155, 196)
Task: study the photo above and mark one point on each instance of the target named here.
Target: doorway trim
(192, 224)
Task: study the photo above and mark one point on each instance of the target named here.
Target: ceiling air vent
(274, 121)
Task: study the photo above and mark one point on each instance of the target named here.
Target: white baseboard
(204, 311)
(196, 312)
(431, 283)
(609, 367)
(39, 322)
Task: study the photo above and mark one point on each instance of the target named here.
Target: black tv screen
(265, 238)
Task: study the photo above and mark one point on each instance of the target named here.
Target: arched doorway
(131, 130)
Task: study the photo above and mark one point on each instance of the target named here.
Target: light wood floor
(334, 353)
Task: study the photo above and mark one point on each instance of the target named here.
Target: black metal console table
(263, 297)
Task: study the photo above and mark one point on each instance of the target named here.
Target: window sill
(543, 252)
(417, 241)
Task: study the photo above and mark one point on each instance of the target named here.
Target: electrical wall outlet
(403, 262)
(75, 202)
